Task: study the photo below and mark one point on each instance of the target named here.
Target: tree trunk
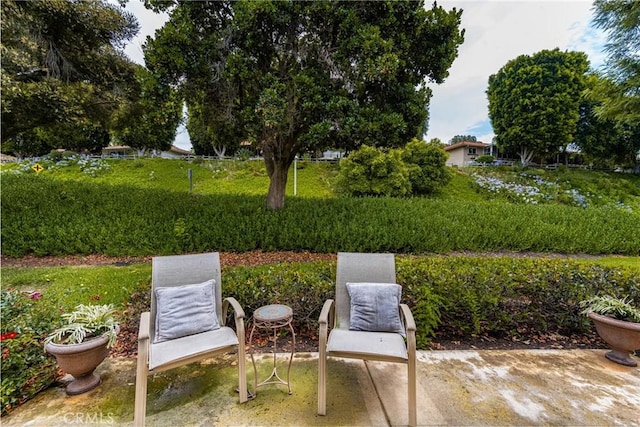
(278, 172)
(525, 155)
(220, 151)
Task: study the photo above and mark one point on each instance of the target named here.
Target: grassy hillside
(142, 207)
(575, 187)
(209, 177)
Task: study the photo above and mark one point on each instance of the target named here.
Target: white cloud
(497, 32)
(149, 22)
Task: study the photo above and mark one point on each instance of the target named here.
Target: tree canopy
(297, 76)
(533, 102)
(620, 19)
(150, 117)
(462, 138)
(605, 141)
(63, 72)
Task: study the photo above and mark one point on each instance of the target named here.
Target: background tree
(149, 120)
(533, 102)
(304, 76)
(211, 133)
(604, 141)
(620, 96)
(462, 138)
(63, 71)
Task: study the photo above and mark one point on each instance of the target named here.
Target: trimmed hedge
(496, 296)
(47, 217)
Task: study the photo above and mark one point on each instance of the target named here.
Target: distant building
(175, 153)
(332, 155)
(118, 151)
(465, 152)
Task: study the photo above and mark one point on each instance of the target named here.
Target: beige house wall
(456, 157)
(460, 156)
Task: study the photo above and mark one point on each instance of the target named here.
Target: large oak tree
(296, 76)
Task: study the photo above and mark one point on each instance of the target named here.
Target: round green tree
(534, 100)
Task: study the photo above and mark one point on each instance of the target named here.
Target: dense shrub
(303, 287)
(506, 296)
(47, 217)
(486, 158)
(372, 172)
(427, 166)
(26, 368)
(418, 168)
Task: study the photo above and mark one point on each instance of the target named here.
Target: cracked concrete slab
(456, 388)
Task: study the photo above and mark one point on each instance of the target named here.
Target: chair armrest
(238, 315)
(326, 315)
(144, 330)
(409, 323)
(325, 320)
(238, 312)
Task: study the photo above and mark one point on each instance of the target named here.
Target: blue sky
(496, 32)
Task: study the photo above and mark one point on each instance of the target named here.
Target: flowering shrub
(89, 166)
(26, 368)
(512, 191)
(532, 189)
(93, 167)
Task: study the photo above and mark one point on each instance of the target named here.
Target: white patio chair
(365, 270)
(186, 322)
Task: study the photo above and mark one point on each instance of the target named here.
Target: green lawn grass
(69, 286)
(632, 262)
(249, 177)
(317, 179)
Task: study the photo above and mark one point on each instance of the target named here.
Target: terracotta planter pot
(80, 360)
(623, 338)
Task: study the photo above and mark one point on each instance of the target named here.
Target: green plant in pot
(82, 343)
(618, 324)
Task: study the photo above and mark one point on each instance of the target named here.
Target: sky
(497, 31)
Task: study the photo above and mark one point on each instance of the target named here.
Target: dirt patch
(227, 259)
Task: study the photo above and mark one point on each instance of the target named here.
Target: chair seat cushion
(186, 347)
(367, 345)
(185, 310)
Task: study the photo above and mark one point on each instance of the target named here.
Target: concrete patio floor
(455, 388)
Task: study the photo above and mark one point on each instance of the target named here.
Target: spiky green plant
(607, 305)
(84, 322)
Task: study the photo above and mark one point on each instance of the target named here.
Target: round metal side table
(272, 317)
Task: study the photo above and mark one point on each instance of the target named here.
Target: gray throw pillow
(185, 310)
(375, 307)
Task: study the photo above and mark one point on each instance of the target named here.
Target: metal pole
(190, 173)
(295, 175)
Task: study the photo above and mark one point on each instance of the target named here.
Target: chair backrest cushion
(180, 270)
(359, 267)
(185, 310)
(375, 307)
